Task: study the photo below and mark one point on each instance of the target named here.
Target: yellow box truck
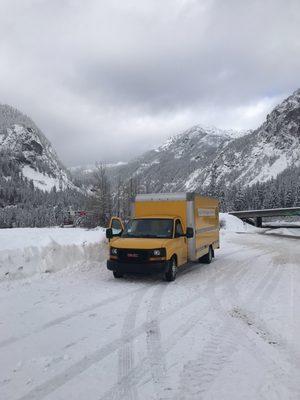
(165, 232)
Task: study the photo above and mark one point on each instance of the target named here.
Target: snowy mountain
(261, 154)
(31, 151)
(35, 188)
(168, 167)
(199, 156)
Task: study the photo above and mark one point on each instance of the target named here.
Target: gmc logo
(132, 255)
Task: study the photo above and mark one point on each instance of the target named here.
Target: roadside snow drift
(233, 224)
(26, 251)
(285, 232)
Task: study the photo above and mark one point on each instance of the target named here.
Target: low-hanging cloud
(107, 80)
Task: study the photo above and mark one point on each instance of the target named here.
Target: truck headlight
(113, 251)
(159, 252)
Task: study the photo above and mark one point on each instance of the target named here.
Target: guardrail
(258, 215)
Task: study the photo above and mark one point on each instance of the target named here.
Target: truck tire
(118, 274)
(170, 274)
(207, 258)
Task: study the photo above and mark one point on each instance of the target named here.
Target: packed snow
(27, 251)
(228, 330)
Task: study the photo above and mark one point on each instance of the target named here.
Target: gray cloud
(110, 79)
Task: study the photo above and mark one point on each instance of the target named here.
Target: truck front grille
(133, 255)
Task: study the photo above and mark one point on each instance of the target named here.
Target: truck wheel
(207, 258)
(118, 274)
(170, 275)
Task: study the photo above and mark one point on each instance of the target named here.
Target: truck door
(116, 225)
(181, 243)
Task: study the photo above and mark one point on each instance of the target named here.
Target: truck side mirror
(189, 233)
(109, 233)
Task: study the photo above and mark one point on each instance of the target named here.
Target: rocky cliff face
(31, 151)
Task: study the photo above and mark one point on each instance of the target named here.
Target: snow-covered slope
(200, 155)
(265, 152)
(29, 148)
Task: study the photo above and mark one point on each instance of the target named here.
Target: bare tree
(100, 203)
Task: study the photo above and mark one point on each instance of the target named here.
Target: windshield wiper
(150, 236)
(128, 235)
(144, 236)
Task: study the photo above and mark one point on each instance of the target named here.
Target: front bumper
(138, 268)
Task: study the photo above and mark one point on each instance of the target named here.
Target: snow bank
(284, 232)
(26, 251)
(233, 224)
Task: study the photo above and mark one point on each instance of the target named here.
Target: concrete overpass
(256, 216)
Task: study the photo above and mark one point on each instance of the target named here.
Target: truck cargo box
(196, 211)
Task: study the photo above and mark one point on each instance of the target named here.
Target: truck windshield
(149, 228)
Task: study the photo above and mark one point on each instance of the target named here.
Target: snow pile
(233, 224)
(26, 251)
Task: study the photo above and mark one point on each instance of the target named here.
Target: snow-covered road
(229, 330)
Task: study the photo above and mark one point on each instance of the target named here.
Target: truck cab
(148, 244)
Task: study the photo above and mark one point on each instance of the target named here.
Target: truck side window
(178, 228)
(116, 226)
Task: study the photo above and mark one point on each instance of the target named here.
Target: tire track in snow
(87, 361)
(261, 292)
(156, 359)
(206, 269)
(281, 260)
(141, 370)
(158, 350)
(66, 317)
(252, 337)
(59, 380)
(198, 375)
(287, 377)
(126, 352)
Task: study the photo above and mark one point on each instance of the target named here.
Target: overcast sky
(107, 79)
